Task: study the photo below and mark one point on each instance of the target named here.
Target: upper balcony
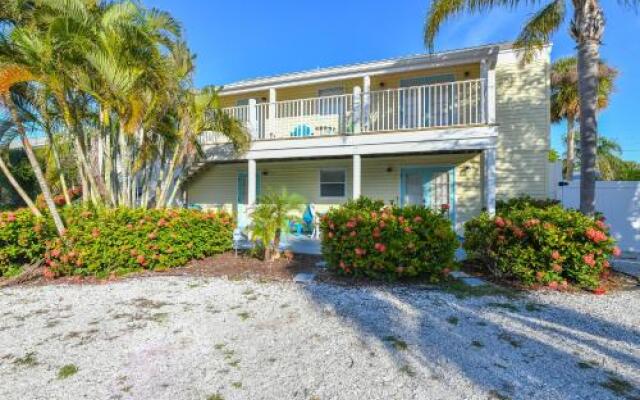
(425, 103)
(442, 105)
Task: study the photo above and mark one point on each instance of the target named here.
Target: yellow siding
(522, 113)
(261, 96)
(308, 91)
(216, 187)
(389, 81)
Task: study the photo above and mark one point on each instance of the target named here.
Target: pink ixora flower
(531, 222)
(616, 251)
(417, 219)
(589, 260)
(555, 255)
(381, 247)
(500, 222)
(360, 252)
(595, 235)
(11, 217)
(407, 229)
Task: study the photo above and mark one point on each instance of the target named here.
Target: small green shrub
(541, 245)
(22, 239)
(99, 242)
(364, 238)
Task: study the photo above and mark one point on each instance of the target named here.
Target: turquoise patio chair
(302, 130)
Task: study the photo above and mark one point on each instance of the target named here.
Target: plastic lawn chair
(302, 131)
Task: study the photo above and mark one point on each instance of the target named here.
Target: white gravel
(191, 338)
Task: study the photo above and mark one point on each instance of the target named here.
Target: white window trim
(320, 171)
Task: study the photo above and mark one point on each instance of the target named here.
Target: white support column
(271, 121)
(357, 109)
(490, 180)
(366, 102)
(489, 103)
(251, 183)
(253, 118)
(357, 176)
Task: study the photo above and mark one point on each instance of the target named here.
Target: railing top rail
(243, 107)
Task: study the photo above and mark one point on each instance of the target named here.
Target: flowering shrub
(364, 238)
(22, 239)
(121, 240)
(524, 202)
(549, 246)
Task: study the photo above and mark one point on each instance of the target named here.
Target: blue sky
(250, 38)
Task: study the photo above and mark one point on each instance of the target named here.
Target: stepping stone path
(304, 277)
(468, 279)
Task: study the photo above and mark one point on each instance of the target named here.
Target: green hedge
(22, 239)
(364, 238)
(545, 245)
(99, 242)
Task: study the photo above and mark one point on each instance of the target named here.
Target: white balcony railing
(453, 104)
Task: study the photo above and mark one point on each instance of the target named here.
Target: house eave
(403, 64)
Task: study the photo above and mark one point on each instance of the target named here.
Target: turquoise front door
(432, 187)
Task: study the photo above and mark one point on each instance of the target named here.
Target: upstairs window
(333, 183)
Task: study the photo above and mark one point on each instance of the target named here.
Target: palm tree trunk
(169, 178)
(588, 56)
(16, 186)
(571, 149)
(28, 149)
(587, 28)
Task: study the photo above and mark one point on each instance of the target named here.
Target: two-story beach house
(460, 128)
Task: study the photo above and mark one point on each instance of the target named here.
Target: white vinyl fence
(619, 201)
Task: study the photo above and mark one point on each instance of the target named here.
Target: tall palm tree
(565, 100)
(587, 29)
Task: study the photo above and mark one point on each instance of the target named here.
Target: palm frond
(442, 10)
(538, 30)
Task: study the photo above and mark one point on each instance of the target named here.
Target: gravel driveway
(190, 338)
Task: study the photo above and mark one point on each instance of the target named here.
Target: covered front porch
(460, 182)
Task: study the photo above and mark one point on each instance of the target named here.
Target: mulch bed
(241, 266)
(615, 282)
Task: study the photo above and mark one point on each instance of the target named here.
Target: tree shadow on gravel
(509, 349)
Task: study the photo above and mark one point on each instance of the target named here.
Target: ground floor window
(333, 183)
(243, 187)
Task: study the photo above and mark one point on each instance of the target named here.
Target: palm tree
(587, 29)
(565, 100)
(115, 80)
(270, 218)
(610, 164)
